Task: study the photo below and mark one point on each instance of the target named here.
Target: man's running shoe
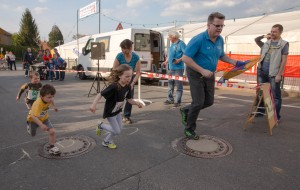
(191, 134)
(183, 116)
(54, 150)
(99, 128)
(109, 144)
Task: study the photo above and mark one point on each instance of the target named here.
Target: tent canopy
(239, 34)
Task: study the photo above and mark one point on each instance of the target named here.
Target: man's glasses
(218, 25)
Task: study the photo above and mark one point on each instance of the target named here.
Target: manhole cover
(69, 147)
(205, 147)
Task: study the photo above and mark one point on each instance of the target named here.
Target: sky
(131, 13)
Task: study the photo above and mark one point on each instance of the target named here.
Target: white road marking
(25, 154)
(135, 131)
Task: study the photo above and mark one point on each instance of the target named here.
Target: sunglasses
(218, 25)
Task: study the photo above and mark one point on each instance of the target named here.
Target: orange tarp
(292, 68)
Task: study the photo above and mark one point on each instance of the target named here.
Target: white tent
(239, 34)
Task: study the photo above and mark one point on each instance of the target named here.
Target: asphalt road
(145, 157)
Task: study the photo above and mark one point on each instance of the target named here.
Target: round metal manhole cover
(205, 147)
(69, 147)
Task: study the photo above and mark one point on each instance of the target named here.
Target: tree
(29, 34)
(15, 38)
(55, 37)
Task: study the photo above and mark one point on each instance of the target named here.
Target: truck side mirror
(83, 51)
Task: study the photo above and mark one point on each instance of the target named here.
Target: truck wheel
(81, 75)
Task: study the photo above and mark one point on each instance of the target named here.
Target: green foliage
(28, 35)
(55, 37)
(15, 38)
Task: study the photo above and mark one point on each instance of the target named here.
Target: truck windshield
(142, 42)
(87, 48)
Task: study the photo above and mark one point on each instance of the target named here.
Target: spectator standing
(12, 60)
(56, 52)
(175, 68)
(127, 56)
(47, 57)
(7, 59)
(271, 66)
(28, 61)
(40, 57)
(61, 65)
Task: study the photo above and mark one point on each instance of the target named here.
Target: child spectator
(38, 116)
(47, 59)
(51, 72)
(115, 94)
(61, 65)
(32, 89)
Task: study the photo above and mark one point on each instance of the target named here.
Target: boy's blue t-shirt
(204, 52)
(134, 59)
(175, 52)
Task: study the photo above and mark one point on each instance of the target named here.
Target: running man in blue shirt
(133, 60)
(201, 58)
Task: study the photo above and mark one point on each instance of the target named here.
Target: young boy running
(32, 89)
(38, 116)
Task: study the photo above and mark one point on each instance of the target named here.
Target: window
(142, 42)
(104, 40)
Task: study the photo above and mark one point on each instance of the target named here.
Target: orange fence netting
(292, 68)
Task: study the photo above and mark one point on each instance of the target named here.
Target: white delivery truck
(148, 44)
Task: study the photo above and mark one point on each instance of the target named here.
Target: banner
(87, 10)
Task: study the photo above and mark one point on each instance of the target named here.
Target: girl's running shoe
(109, 144)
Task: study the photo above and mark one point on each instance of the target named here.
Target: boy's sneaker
(183, 116)
(109, 144)
(191, 134)
(99, 128)
(54, 150)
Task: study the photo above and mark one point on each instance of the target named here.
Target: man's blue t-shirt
(175, 52)
(204, 52)
(132, 63)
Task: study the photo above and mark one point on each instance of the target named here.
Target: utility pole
(77, 38)
(99, 14)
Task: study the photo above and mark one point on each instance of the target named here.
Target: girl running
(115, 94)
